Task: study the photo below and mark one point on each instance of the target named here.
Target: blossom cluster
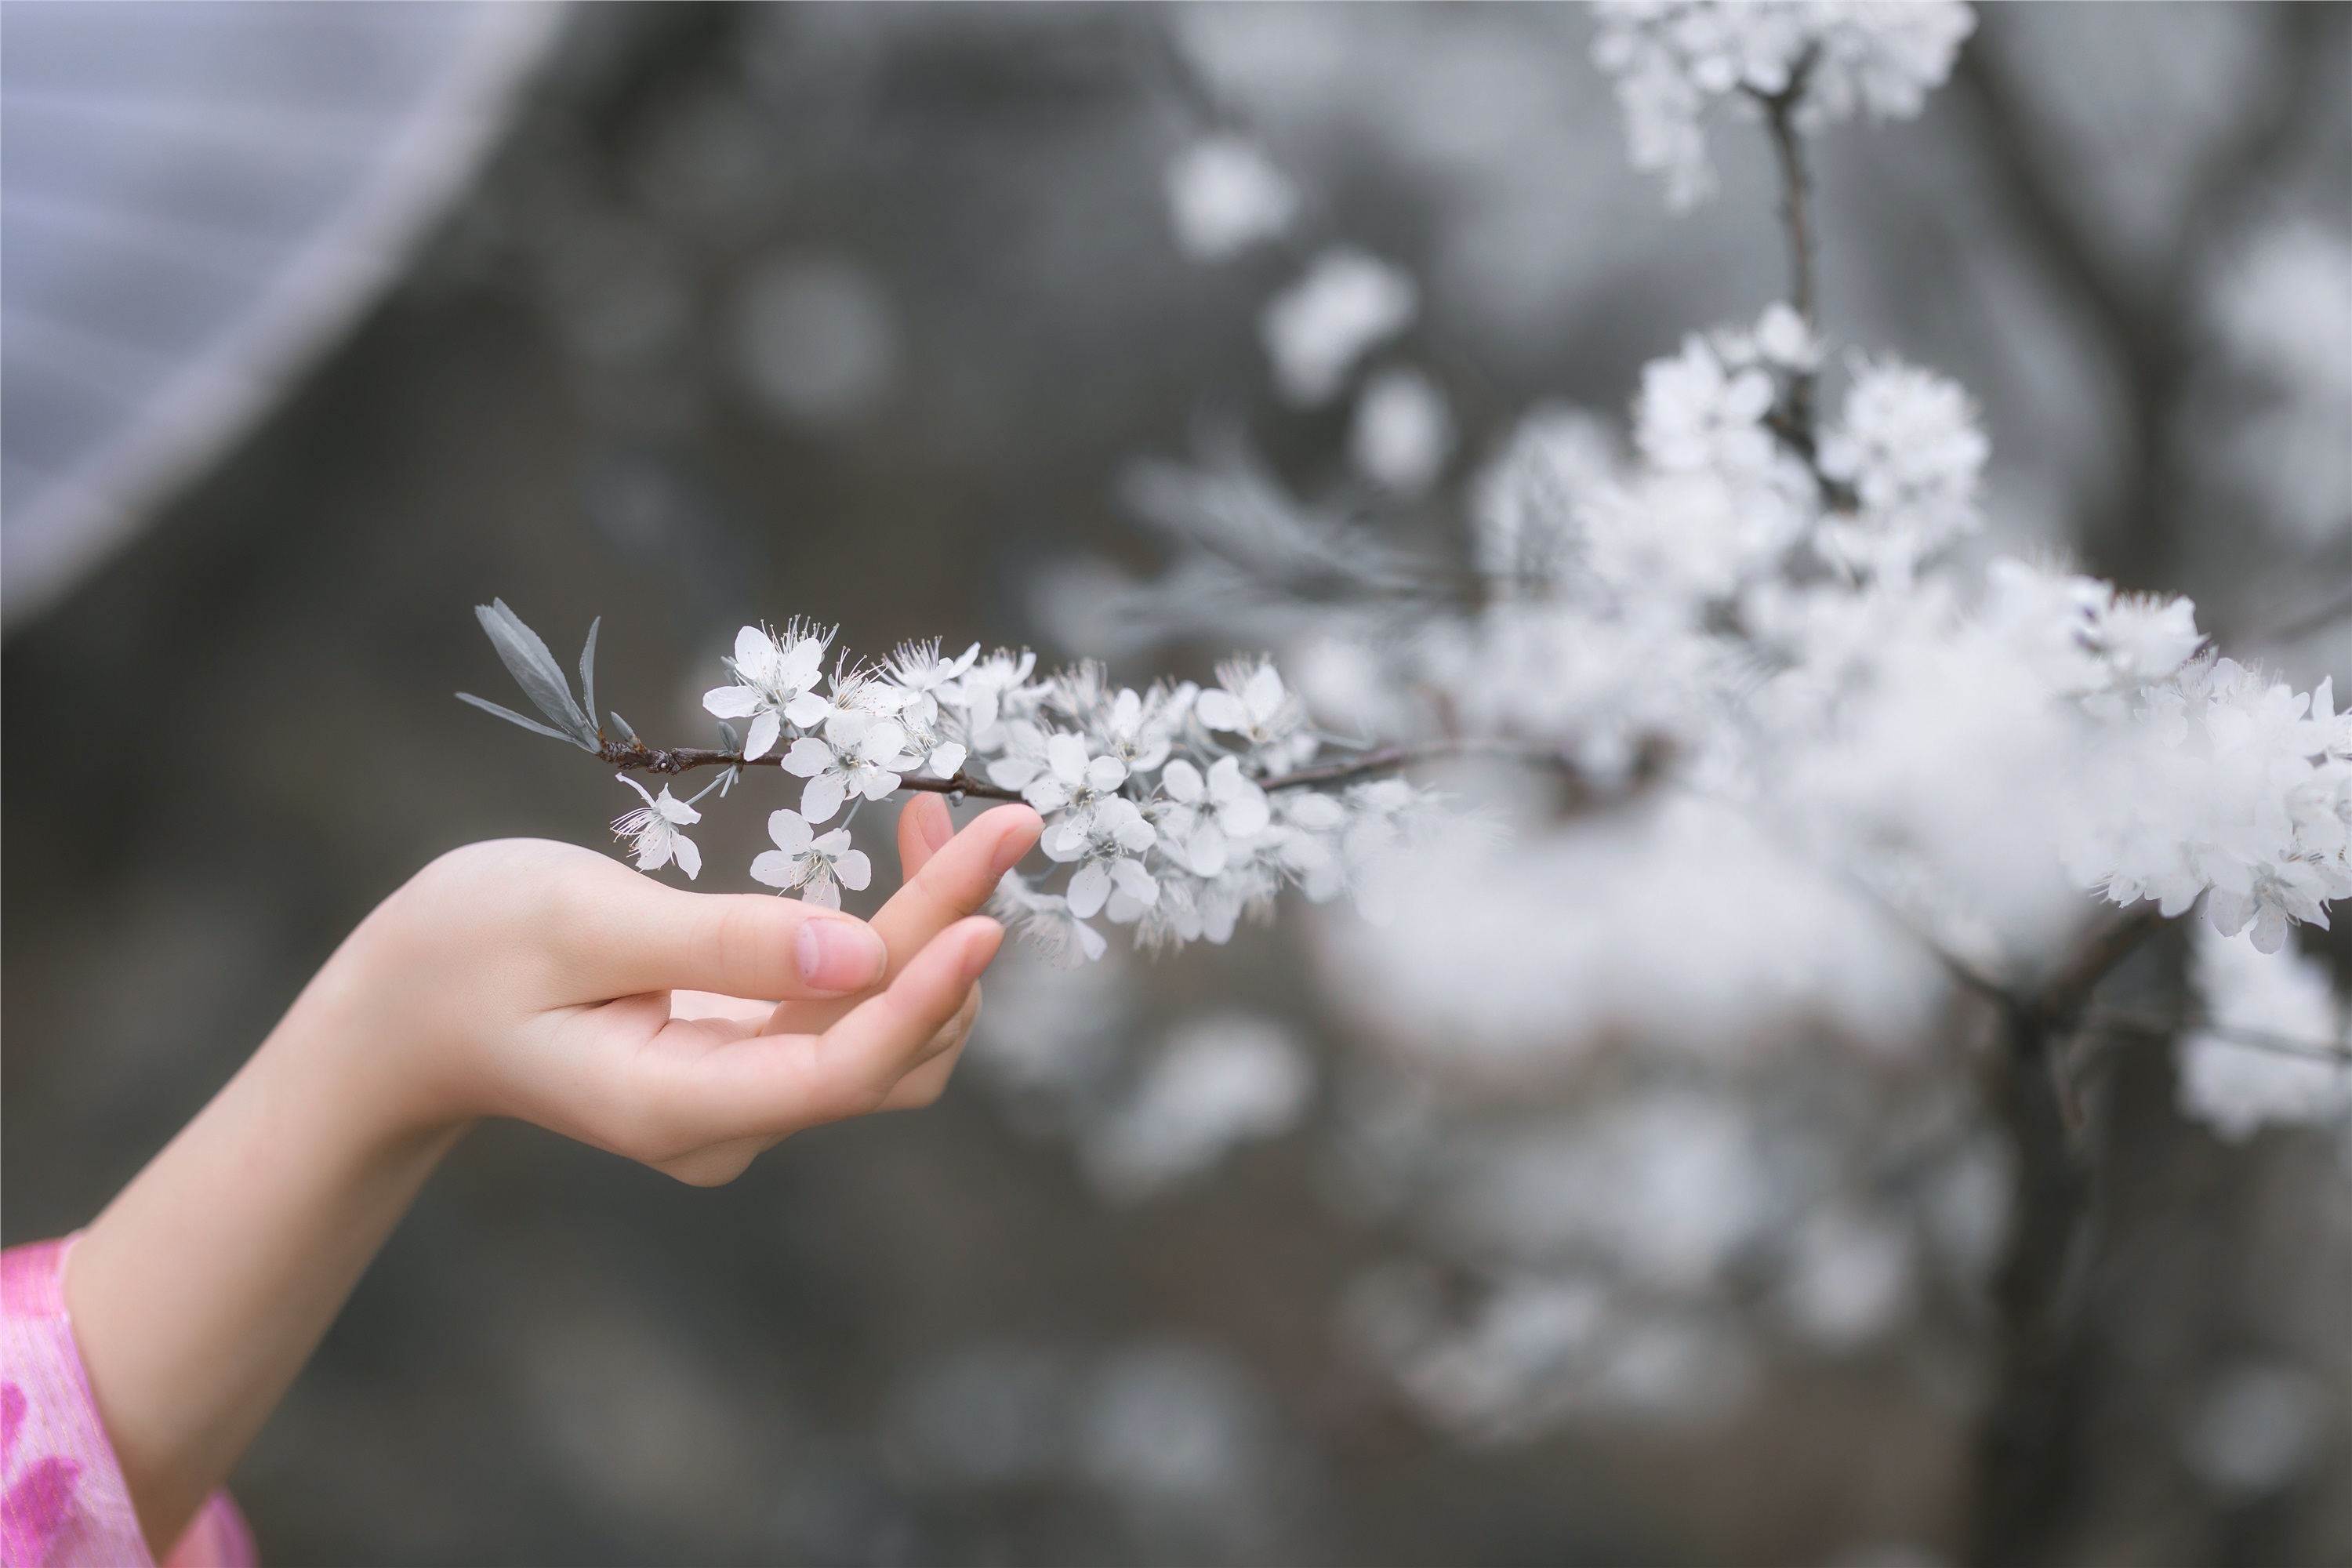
(1176, 810)
(1675, 60)
(1779, 619)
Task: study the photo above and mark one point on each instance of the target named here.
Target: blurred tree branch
(2148, 329)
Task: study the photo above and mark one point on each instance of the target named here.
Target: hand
(538, 981)
(521, 979)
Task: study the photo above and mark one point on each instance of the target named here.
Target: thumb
(637, 935)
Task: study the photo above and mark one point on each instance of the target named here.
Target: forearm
(201, 1290)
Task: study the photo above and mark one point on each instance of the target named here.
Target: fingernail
(980, 950)
(840, 955)
(1009, 851)
(938, 824)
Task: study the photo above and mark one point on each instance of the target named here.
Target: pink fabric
(62, 1501)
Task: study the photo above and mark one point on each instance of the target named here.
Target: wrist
(201, 1290)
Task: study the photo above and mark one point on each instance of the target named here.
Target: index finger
(953, 883)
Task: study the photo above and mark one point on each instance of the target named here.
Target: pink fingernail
(1009, 851)
(839, 955)
(979, 952)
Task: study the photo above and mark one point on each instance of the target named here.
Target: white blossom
(856, 754)
(655, 830)
(1907, 442)
(1205, 819)
(1250, 700)
(1072, 778)
(1220, 1079)
(1528, 504)
(2272, 1018)
(1307, 843)
(1225, 195)
(1697, 414)
(1404, 431)
(917, 669)
(1047, 920)
(775, 685)
(816, 866)
(1106, 846)
(1347, 303)
(1140, 730)
(988, 689)
(1674, 59)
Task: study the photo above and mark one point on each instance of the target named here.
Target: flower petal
(776, 868)
(854, 869)
(1221, 711)
(1262, 695)
(1207, 853)
(689, 857)
(1137, 883)
(808, 758)
(790, 829)
(1066, 755)
(823, 796)
(1088, 889)
(731, 701)
(765, 730)
(1182, 779)
(1246, 815)
(1064, 840)
(821, 892)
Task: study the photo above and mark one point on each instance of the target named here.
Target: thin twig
(1796, 186)
(1795, 421)
(634, 756)
(2161, 1025)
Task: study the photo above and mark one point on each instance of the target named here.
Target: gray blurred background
(755, 310)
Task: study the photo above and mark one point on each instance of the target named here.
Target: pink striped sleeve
(62, 1501)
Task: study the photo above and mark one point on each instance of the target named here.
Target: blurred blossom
(1887, 1554)
(987, 1416)
(1052, 1032)
(1907, 441)
(2284, 306)
(2283, 1001)
(1538, 948)
(1158, 1425)
(1673, 58)
(1172, 1423)
(1525, 504)
(1225, 195)
(1404, 431)
(2256, 1429)
(1536, 1350)
(1663, 1188)
(1220, 1081)
(816, 339)
(1348, 303)
(1851, 1278)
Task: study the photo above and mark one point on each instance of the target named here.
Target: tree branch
(2145, 325)
(634, 756)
